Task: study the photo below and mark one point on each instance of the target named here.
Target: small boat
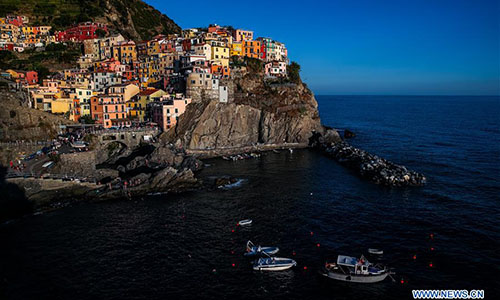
(245, 222)
(253, 250)
(375, 251)
(351, 269)
(273, 264)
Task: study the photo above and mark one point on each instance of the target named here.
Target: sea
(445, 235)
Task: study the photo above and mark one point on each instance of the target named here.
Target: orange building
(109, 110)
(251, 49)
(221, 70)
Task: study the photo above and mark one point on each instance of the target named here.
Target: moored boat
(245, 222)
(351, 269)
(253, 250)
(375, 251)
(273, 264)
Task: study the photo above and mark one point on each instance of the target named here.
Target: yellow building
(83, 95)
(125, 52)
(126, 90)
(220, 53)
(236, 49)
(136, 107)
(153, 47)
(61, 105)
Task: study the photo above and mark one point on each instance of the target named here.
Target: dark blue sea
(445, 235)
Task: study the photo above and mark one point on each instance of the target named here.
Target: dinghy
(273, 264)
(351, 269)
(253, 250)
(245, 222)
(375, 251)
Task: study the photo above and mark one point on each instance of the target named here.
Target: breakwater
(367, 165)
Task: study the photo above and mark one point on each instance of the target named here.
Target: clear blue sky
(428, 47)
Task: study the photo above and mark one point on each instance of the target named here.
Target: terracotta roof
(148, 92)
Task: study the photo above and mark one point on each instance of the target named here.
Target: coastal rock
(259, 113)
(222, 181)
(372, 167)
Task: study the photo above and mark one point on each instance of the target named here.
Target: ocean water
(188, 246)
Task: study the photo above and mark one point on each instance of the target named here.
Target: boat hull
(279, 264)
(274, 268)
(264, 250)
(356, 278)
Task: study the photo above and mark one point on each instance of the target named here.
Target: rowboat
(375, 251)
(253, 250)
(351, 269)
(245, 222)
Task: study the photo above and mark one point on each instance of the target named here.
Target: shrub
(294, 72)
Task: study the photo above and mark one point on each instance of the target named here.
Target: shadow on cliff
(13, 202)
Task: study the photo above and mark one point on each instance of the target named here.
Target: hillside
(134, 19)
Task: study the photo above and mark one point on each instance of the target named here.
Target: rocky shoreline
(369, 166)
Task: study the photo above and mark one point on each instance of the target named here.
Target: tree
(294, 72)
(100, 33)
(87, 119)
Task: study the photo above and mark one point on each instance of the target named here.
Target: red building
(7, 46)
(186, 45)
(31, 77)
(81, 32)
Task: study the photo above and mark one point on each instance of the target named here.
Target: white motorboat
(245, 222)
(273, 264)
(375, 251)
(253, 250)
(351, 269)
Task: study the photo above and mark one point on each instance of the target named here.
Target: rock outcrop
(367, 165)
(259, 113)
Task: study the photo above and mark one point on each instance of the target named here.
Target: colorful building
(242, 35)
(136, 107)
(251, 49)
(236, 49)
(166, 113)
(109, 110)
(275, 68)
(125, 52)
(81, 32)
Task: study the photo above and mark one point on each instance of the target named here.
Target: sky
(357, 47)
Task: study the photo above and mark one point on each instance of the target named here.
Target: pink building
(242, 35)
(275, 68)
(166, 113)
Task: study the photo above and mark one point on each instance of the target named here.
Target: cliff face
(259, 112)
(19, 122)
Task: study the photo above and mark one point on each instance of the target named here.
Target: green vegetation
(61, 14)
(294, 72)
(57, 13)
(253, 65)
(87, 119)
(41, 62)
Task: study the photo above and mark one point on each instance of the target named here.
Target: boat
(351, 269)
(375, 251)
(253, 250)
(245, 222)
(273, 264)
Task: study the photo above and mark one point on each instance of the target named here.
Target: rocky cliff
(20, 122)
(259, 112)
